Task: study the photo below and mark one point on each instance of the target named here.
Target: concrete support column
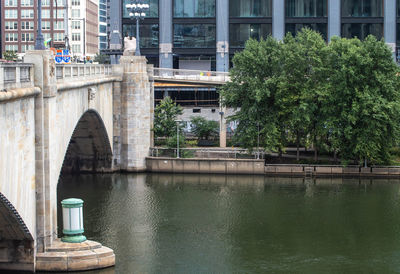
(135, 113)
(334, 18)
(150, 73)
(116, 163)
(390, 25)
(278, 19)
(166, 34)
(222, 57)
(45, 179)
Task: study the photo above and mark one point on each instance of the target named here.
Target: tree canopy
(165, 115)
(342, 97)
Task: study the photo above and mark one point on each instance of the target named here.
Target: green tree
(203, 128)
(102, 58)
(364, 99)
(165, 116)
(10, 55)
(252, 93)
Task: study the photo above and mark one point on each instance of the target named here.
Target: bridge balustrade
(191, 75)
(82, 70)
(16, 75)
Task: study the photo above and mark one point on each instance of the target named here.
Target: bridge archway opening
(16, 241)
(89, 149)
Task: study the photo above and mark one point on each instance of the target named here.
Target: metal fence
(190, 75)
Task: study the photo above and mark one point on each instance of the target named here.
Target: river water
(161, 223)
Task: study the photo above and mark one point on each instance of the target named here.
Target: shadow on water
(175, 223)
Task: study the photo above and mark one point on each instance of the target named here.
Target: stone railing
(82, 70)
(16, 75)
(185, 75)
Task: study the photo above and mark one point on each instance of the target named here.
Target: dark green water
(240, 224)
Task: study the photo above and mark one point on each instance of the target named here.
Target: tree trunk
(280, 155)
(315, 148)
(335, 156)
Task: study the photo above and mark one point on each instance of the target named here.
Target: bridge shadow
(89, 149)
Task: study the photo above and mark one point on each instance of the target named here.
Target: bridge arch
(89, 148)
(16, 241)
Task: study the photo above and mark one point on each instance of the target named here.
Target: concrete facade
(71, 119)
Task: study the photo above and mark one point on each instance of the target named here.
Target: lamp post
(137, 10)
(177, 137)
(39, 42)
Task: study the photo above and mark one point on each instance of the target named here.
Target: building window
(76, 2)
(194, 8)
(11, 48)
(148, 34)
(58, 3)
(76, 48)
(58, 13)
(76, 25)
(240, 33)
(75, 13)
(362, 8)
(361, 30)
(59, 25)
(45, 25)
(306, 8)
(26, 3)
(152, 12)
(45, 3)
(10, 3)
(12, 37)
(194, 35)
(58, 37)
(10, 14)
(11, 25)
(250, 8)
(27, 13)
(27, 47)
(293, 28)
(27, 37)
(45, 14)
(27, 25)
(46, 36)
(76, 37)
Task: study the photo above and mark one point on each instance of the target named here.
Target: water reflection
(174, 223)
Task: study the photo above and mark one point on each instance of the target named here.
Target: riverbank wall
(257, 167)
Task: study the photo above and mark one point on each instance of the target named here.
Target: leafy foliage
(165, 115)
(102, 58)
(203, 128)
(342, 96)
(10, 55)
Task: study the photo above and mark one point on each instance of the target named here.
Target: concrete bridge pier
(135, 114)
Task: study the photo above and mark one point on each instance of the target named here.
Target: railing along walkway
(190, 76)
(82, 70)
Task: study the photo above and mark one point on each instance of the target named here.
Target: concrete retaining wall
(215, 166)
(252, 166)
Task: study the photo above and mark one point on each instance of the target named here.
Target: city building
(103, 28)
(205, 34)
(84, 35)
(19, 24)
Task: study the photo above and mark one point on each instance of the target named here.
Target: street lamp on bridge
(39, 42)
(137, 10)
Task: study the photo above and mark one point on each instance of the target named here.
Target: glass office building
(204, 34)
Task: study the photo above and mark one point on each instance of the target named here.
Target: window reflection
(240, 33)
(250, 8)
(361, 31)
(294, 28)
(152, 12)
(362, 8)
(305, 8)
(194, 8)
(148, 34)
(194, 35)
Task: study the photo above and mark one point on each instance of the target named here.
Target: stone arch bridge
(63, 118)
